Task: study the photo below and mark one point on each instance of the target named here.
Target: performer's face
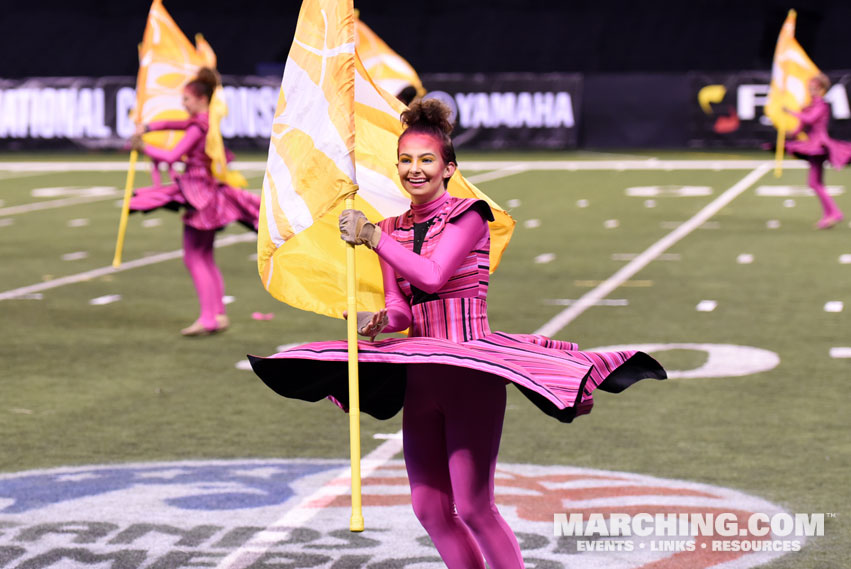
(193, 103)
(421, 167)
(815, 87)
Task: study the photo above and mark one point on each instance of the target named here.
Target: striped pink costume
(209, 206)
(450, 375)
(209, 203)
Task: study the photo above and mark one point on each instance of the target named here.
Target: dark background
(99, 37)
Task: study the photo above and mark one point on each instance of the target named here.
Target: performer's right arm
(192, 136)
(168, 125)
(809, 114)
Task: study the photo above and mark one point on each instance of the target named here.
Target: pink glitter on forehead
(422, 138)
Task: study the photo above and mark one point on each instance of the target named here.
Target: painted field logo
(272, 514)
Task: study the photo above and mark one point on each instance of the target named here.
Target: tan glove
(136, 143)
(371, 323)
(356, 229)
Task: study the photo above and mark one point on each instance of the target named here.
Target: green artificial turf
(114, 383)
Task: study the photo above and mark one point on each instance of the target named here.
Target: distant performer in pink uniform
(209, 204)
(819, 147)
(450, 374)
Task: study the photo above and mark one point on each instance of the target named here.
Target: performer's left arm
(429, 274)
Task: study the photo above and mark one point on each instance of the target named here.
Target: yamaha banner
(510, 110)
(727, 109)
(503, 111)
(94, 113)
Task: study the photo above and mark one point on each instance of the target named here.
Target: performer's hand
(356, 229)
(370, 323)
(141, 129)
(136, 143)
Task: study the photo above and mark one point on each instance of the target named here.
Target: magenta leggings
(451, 428)
(199, 260)
(816, 182)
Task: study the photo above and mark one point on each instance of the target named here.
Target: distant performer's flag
(791, 71)
(167, 62)
(386, 67)
(311, 169)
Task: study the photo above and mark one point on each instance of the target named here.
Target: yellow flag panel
(334, 132)
(791, 71)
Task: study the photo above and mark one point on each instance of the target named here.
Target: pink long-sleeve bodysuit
(209, 206)
(818, 148)
(450, 444)
(450, 374)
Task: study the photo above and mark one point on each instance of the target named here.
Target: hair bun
(209, 77)
(428, 114)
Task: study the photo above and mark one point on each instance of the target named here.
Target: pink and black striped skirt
(555, 375)
(207, 203)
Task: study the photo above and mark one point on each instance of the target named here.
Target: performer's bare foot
(197, 329)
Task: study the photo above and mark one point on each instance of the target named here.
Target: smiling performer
(450, 374)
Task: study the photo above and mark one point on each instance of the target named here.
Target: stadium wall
(498, 111)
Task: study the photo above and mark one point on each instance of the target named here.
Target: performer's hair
(823, 81)
(204, 83)
(431, 116)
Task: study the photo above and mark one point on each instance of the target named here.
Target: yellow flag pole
(356, 521)
(125, 208)
(778, 152)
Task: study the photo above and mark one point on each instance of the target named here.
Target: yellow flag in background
(386, 67)
(791, 71)
(328, 107)
(215, 144)
(167, 62)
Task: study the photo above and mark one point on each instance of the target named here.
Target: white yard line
(589, 299)
(50, 204)
(95, 273)
(496, 174)
(648, 164)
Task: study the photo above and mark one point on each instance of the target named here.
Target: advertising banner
(727, 109)
(94, 113)
(511, 110)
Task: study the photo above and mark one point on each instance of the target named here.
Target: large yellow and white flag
(386, 67)
(334, 133)
(167, 62)
(791, 71)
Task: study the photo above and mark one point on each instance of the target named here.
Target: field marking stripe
(88, 275)
(649, 164)
(50, 204)
(499, 173)
(566, 316)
